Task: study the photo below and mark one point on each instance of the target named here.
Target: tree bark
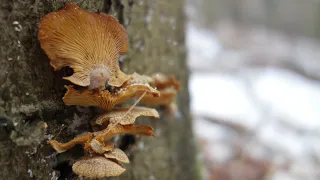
(31, 107)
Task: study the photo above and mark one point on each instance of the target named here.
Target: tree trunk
(31, 107)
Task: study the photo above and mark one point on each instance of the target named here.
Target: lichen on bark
(31, 92)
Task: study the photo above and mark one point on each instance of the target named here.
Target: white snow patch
(295, 99)
(221, 96)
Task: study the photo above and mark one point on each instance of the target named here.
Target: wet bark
(32, 111)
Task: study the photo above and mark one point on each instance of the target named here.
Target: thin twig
(109, 127)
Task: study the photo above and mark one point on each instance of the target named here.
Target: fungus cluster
(91, 44)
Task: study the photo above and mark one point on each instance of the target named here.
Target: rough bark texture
(31, 92)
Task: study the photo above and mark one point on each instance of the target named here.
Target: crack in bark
(130, 4)
(119, 6)
(106, 6)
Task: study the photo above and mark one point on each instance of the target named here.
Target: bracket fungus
(62, 147)
(97, 167)
(118, 155)
(167, 87)
(99, 147)
(162, 81)
(167, 96)
(104, 99)
(119, 115)
(90, 44)
(91, 144)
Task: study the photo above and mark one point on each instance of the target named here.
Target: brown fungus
(133, 129)
(120, 115)
(104, 99)
(167, 96)
(88, 42)
(167, 87)
(100, 147)
(97, 142)
(162, 81)
(62, 147)
(97, 167)
(118, 155)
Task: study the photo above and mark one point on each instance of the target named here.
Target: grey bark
(31, 92)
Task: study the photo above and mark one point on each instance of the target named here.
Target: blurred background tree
(254, 86)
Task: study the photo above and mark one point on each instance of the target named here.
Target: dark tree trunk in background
(31, 93)
(293, 17)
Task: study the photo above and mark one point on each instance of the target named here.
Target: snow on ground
(281, 106)
(223, 96)
(292, 97)
(292, 100)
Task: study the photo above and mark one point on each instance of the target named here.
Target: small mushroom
(105, 99)
(118, 155)
(167, 96)
(88, 42)
(97, 167)
(166, 85)
(109, 132)
(96, 142)
(162, 81)
(62, 147)
(120, 115)
(99, 147)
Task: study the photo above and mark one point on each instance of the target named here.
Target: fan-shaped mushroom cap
(93, 144)
(108, 133)
(97, 167)
(62, 147)
(99, 147)
(162, 81)
(117, 115)
(166, 97)
(104, 99)
(118, 155)
(88, 42)
(166, 85)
